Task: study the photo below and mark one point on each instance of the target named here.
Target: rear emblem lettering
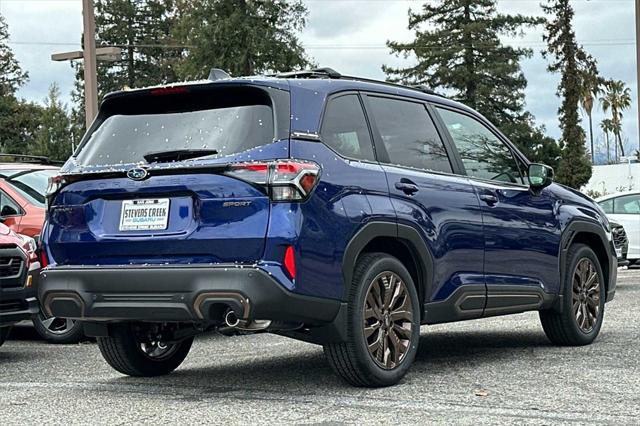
(236, 203)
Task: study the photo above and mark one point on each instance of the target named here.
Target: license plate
(139, 215)
(619, 251)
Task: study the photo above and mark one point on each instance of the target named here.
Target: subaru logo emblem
(137, 174)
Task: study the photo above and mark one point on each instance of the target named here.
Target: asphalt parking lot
(499, 370)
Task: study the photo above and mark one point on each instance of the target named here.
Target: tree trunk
(593, 155)
(621, 145)
(606, 137)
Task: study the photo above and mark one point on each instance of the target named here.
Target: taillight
(285, 180)
(42, 257)
(290, 262)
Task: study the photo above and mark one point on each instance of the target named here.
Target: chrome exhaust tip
(231, 319)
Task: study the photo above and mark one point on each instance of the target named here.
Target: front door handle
(490, 199)
(407, 187)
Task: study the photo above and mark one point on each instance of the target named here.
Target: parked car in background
(23, 184)
(331, 209)
(621, 242)
(624, 208)
(19, 269)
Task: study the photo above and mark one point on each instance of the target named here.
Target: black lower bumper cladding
(175, 294)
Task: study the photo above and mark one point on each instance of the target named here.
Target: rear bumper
(175, 294)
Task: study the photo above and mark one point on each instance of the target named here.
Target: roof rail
(37, 159)
(333, 74)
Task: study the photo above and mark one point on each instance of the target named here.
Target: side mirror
(540, 176)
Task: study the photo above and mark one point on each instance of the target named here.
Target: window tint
(31, 184)
(484, 155)
(409, 135)
(7, 206)
(345, 128)
(629, 204)
(607, 206)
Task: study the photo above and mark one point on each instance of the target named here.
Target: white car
(624, 208)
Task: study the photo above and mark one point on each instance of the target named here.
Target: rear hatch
(153, 181)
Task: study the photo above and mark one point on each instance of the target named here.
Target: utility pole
(91, 63)
(91, 56)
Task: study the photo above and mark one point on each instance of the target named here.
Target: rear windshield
(31, 184)
(224, 123)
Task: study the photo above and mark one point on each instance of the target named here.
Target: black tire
(351, 360)
(4, 334)
(58, 330)
(563, 328)
(122, 351)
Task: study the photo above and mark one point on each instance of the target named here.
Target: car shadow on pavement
(308, 371)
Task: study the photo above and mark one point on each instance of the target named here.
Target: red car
(22, 192)
(19, 267)
(23, 185)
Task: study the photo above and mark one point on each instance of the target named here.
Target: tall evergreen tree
(11, 75)
(566, 59)
(53, 137)
(243, 37)
(460, 52)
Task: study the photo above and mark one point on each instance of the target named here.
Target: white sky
(350, 36)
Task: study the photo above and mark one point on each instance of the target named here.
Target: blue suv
(331, 209)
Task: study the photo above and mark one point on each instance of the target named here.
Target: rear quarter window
(345, 128)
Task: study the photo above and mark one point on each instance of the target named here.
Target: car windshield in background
(127, 139)
(31, 184)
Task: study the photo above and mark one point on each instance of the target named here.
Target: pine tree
(53, 138)
(11, 75)
(567, 57)
(461, 52)
(242, 37)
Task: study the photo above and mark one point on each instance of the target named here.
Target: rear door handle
(408, 188)
(489, 198)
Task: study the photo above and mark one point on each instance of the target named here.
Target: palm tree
(617, 98)
(589, 91)
(605, 125)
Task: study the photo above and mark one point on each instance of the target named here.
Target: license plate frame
(150, 214)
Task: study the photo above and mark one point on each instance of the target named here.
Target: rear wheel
(383, 326)
(4, 333)
(58, 330)
(132, 353)
(583, 301)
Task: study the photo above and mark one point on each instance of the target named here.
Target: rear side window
(345, 128)
(629, 204)
(484, 155)
(409, 135)
(224, 121)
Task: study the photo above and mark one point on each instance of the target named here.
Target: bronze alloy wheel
(586, 295)
(388, 316)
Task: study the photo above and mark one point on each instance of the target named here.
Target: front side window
(345, 128)
(628, 204)
(409, 135)
(483, 155)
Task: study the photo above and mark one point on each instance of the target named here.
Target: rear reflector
(290, 262)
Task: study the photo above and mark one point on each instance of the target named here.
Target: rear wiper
(178, 155)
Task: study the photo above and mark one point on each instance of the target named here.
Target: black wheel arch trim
(407, 235)
(574, 228)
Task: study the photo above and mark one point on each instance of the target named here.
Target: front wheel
(584, 294)
(383, 326)
(132, 353)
